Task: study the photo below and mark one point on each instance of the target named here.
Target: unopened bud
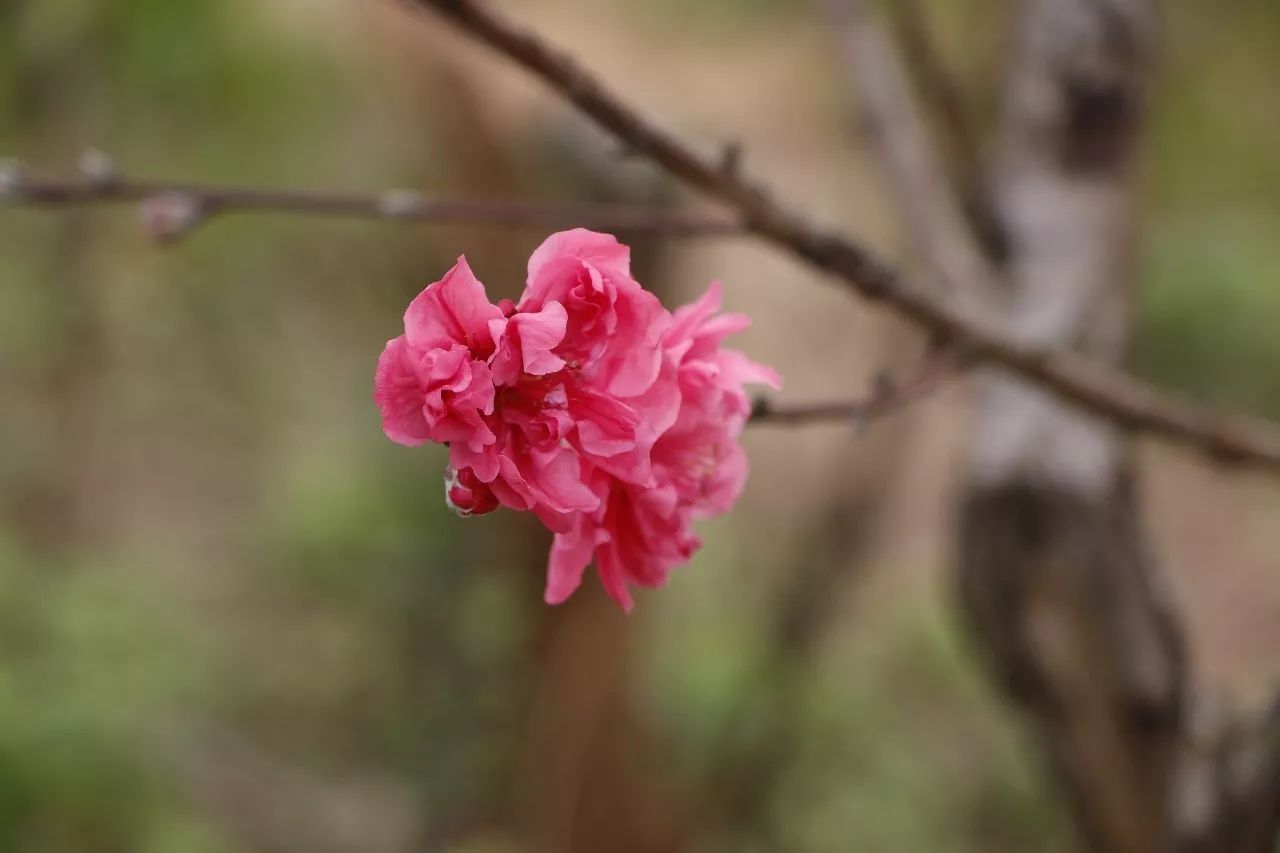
(466, 495)
(13, 174)
(98, 167)
(169, 216)
(400, 203)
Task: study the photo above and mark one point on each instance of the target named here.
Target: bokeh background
(234, 617)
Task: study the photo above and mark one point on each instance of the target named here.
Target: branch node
(401, 204)
(98, 168)
(168, 217)
(13, 178)
(882, 385)
(731, 159)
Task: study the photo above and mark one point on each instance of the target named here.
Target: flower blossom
(586, 402)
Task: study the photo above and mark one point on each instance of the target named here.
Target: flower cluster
(587, 403)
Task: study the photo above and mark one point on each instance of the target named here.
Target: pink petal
(612, 573)
(687, 319)
(721, 489)
(722, 326)
(539, 334)
(558, 476)
(399, 395)
(483, 462)
(545, 481)
(636, 353)
(454, 309)
(606, 426)
(524, 343)
(737, 369)
(556, 522)
(602, 251)
(510, 486)
(660, 404)
(570, 555)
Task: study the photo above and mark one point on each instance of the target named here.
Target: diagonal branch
(182, 206)
(1111, 394)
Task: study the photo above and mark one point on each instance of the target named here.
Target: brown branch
(170, 209)
(1101, 390)
(886, 397)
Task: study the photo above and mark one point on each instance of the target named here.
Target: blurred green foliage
(164, 373)
(1211, 260)
(93, 670)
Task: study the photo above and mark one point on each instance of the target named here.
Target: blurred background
(234, 617)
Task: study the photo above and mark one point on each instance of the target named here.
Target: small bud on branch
(102, 183)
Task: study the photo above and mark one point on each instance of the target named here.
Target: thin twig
(954, 119)
(934, 82)
(173, 209)
(1106, 392)
(900, 140)
(886, 396)
(202, 201)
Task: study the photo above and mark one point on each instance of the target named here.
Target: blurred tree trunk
(46, 498)
(588, 779)
(1055, 570)
(575, 780)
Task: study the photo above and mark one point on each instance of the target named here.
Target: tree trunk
(1055, 572)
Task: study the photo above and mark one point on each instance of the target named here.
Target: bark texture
(1055, 571)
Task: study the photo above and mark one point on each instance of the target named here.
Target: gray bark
(1055, 571)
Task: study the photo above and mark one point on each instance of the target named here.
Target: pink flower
(698, 468)
(525, 341)
(433, 382)
(586, 403)
(636, 538)
(700, 451)
(614, 324)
